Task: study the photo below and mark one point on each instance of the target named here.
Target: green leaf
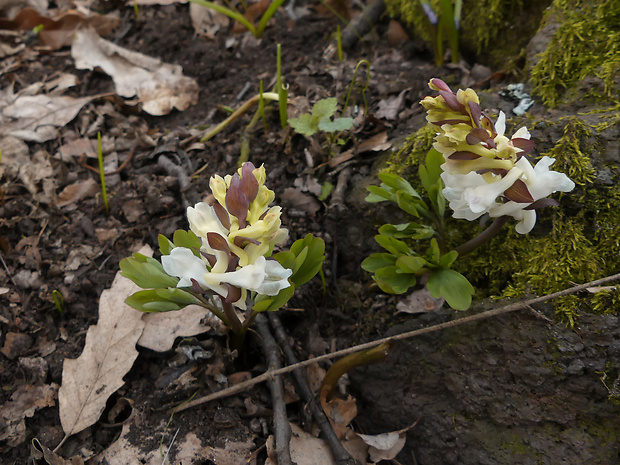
(398, 183)
(451, 285)
(410, 264)
(326, 190)
(448, 259)
(411, 204)
(337, 125)
(312, 264)
(390, 279)
(188, 239)
(312, 252)
(433, 253)
(160, 300)
(431, 170)
(146, 272)
(378, 194)
(273, 303)
(378, 260)
(407, 230)
(165, 245)
(325, 108)
(393, 245)
(306, 125)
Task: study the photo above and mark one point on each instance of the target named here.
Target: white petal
(522, 133)
(183, 264)
(500, 124)
(203, 220)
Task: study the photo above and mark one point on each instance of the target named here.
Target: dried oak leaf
(24, 402)
(109, 353)
(160, 87)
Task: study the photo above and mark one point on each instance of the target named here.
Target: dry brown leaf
(207, 22)
(161, 329)
(76, 192)
(109, 353)
(35, 117)
(25, 401)
(420, 301)
(59, 28)
(340, 413)
(391, 106)
(130, 448)
(160, 87)
(305, 449)
(384, 446)
(40, 452)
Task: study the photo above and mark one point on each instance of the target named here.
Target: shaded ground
(146, 200)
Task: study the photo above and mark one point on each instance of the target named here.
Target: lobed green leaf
(146, 272)
(451, 285)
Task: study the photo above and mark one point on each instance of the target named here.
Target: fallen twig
(340, 453)
(281, 427)
(340, 353)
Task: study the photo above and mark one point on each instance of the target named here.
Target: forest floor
(55, 234)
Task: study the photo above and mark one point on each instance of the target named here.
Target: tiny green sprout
(104, 192)
(281, 89)
(136, 10)
(320, 119)
(37, 29)
(257, 30)
(59, 301)
(339, 44)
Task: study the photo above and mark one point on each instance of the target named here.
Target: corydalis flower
(471, 195)
(484, 171)
(236, 234)
(264, 276)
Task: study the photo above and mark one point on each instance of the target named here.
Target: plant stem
(483, 237)
(238, 113)
(231, 316)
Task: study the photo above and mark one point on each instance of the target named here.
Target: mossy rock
(575, 57)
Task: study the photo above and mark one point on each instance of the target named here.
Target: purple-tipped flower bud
(236, 202)
(248, 183)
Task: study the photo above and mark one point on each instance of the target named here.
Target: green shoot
(281, 89)
(360, 63)
(256, 30)
(136, 10)
(272, 96)
(339, 43)
(59, 301)
(104, 192)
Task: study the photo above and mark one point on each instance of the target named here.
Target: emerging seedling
(104, 192)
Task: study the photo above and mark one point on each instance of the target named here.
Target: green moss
(586, 43)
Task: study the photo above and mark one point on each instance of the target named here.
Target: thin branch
(281, 427)
(340, 453)
(340, 353)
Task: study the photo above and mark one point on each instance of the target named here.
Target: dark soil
(38, 237)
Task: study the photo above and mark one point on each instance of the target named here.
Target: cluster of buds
(237, 233)
(484, 171)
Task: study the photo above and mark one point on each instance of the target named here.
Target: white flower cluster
(485, 172)
(236, 234)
